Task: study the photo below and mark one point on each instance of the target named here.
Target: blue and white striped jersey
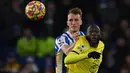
(65, 39)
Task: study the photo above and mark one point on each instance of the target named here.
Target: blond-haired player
(65, 42)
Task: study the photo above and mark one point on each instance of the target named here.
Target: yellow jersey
(81, 50)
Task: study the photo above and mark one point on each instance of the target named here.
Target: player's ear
(87, 34)
(67, 23)
(100, 36)
(81, 22)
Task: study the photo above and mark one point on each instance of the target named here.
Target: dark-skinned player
(86, 56)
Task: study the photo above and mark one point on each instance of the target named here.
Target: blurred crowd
(28, 46)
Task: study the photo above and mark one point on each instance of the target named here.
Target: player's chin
(74, 30)
(94, 40)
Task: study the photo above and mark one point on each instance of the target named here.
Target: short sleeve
(60, 42)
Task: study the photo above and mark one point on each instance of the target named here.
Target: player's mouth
(73, 26)
(94, 38)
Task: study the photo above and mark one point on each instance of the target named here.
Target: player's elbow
(66, 51)
(68, 60)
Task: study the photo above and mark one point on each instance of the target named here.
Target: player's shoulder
(82, 33)
(59, 42)
(62, 39)
(81, 40)
(60, 36)
(82, 37)
(101, 43)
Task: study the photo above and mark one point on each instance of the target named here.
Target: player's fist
(76, 36)
(94, 55)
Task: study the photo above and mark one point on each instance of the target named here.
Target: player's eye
(90, 31)
(70, 19)
(97, 31)
(76, 19)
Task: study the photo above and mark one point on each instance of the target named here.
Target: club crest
(82, 47)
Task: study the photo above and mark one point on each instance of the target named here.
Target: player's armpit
(74, 57)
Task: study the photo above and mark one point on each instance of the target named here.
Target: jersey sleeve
(74, 57)
(60, 42)
(76, 54)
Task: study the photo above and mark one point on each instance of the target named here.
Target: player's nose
(73, 22)
(94, 34)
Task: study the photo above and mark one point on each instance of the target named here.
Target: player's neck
(72, 32)
(95, 45)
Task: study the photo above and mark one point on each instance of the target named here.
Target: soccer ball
(35, 10)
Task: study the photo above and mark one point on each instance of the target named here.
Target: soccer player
(65, 42)
(86, 56)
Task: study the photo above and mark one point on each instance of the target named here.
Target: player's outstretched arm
(74, 57)
(66, 49)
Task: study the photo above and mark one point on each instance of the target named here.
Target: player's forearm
(69, 49)
(66, 49)
(73, 58)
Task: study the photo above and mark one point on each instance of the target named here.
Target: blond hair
(76, 11)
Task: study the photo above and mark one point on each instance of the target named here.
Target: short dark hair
(76, 11)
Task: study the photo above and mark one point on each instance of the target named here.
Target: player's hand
(94, 55)
(76, 36)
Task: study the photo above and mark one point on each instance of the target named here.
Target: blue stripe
(70, 37)
(83, 33)
(58, 37)
(67, 40)
(57, 48)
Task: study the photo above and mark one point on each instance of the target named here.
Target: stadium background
(111, 15)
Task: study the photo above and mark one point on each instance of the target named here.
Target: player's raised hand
(76, 36)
